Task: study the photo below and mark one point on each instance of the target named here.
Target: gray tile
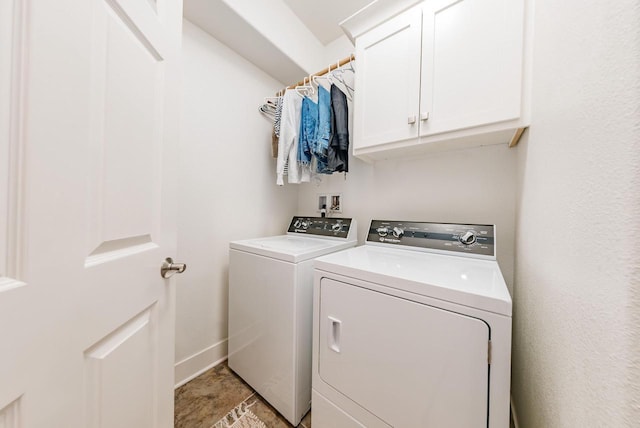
(206, 399)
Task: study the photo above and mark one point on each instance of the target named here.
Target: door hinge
(489, 353)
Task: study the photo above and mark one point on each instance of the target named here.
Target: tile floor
(203, 401)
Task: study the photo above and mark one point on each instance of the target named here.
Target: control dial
(297, 224)
(305, 224)
(397, 232)
(382, 231)
(468, 238)
(337, 227)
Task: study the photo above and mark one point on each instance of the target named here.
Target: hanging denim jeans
(339, 143)
(308, 134)
(324, 131)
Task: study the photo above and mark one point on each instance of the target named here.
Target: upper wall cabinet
(388, 81)
(442, 75)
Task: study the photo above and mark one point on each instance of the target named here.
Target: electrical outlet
(335, 203)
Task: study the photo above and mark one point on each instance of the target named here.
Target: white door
(88, 139)
(387, 81)
(471, 63)
(409, 364)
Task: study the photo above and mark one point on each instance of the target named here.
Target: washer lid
(290, 248)
(466, 281)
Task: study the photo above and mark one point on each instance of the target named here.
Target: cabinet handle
(424, 116)
(411, 119)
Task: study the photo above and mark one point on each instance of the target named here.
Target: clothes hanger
(344, 68)
(337, 73)
(327, 77)
(302, 89)
(268, 111)
(305, 90)
(271, 103)
(268, 108)
(311, 88)
(352, 58)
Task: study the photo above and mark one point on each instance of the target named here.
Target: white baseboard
(200, 362)
(514, 415)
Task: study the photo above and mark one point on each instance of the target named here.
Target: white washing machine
(270, 308)
(411, 330)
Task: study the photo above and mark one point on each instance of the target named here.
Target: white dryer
(412, 329)
(270, 308)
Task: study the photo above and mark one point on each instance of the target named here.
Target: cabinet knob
(411, 119)
(424, 116)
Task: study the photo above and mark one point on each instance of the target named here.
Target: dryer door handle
(334, 331)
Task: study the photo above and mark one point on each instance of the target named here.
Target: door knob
(169, 268)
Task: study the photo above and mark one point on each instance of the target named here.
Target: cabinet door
(410, 364)
(388, 81)
(471, 64)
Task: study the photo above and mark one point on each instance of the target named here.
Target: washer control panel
(477, 239)
(321, 226)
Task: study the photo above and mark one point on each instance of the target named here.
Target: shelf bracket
(516, 136)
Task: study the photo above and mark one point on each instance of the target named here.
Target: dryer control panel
(472, 239)
(321, 226)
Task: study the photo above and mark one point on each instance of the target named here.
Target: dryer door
(408, 363)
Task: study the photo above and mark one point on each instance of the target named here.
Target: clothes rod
(322, 72)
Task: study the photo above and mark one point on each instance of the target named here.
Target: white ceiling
(322, 17)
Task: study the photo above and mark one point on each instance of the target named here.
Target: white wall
(576, 346)
(576, 305)
(467, 186)
(227, 188)
(336, 50)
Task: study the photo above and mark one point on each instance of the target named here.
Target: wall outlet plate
(323, 202)
(335, 202)
(332, 202)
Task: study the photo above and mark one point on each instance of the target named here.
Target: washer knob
(382, 231)
(305, 224)
(397, 232)
(468, 238)
(337, 227)
(297, 224)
